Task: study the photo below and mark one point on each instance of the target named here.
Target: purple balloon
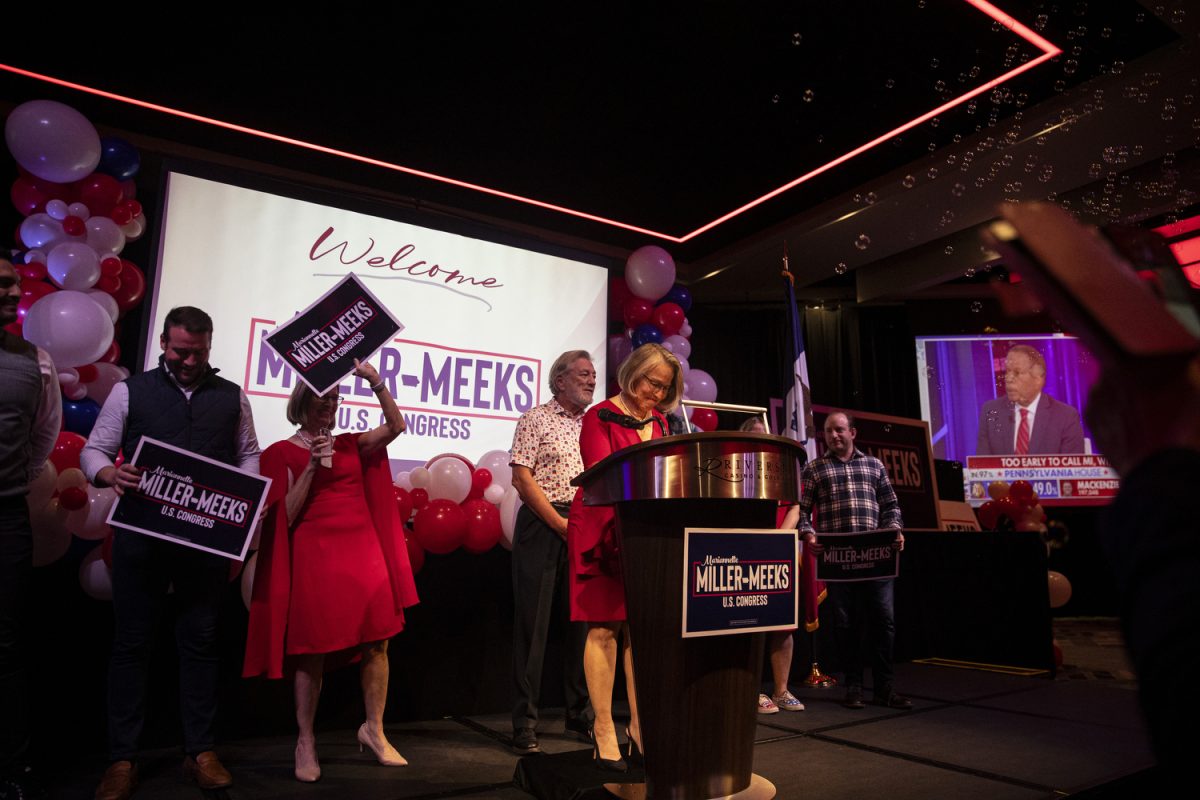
(646, 334)
(701, 386)
(53, 141)
(678, 345)
(619, 348)
(649, 272)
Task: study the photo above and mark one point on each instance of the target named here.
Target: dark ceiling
(663, 116)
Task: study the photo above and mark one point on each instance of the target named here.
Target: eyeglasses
(660, 388)
(329, 399)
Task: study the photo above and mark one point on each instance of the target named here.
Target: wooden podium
(696, 696)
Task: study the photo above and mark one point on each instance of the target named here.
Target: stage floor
(972, 734)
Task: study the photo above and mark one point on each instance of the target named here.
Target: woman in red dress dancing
(651, 383)
(333, 577)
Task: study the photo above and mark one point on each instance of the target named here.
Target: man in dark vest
(185, 404)
(30, 414)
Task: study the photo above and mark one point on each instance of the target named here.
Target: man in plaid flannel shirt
(850, 492)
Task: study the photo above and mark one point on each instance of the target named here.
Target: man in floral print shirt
(545, 457)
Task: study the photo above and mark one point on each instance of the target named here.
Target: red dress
(597, 588)
(341, 576)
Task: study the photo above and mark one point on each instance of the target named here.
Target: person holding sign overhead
(651, 383)
(184, 403)
(847, 491)
(333, 576)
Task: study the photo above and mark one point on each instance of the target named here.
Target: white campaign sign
(482, 321)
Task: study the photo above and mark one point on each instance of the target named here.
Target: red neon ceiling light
(1048, 49)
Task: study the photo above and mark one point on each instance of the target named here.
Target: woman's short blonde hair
(644, 359)
(297, 407)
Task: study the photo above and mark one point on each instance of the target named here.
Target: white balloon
(403, 481)
(496, 462)
(107, 376)
(52, 140)
(70, 326)
(95, 578)
(35, 255)
(80, 210)
(57, 209)
(509, 507)
(50, 535)
(494, 494)
(684, 366)
(77, 393)
(42, 488)
(449, 478)
(104, 236)
(701, 386)
(134, 229)
(685, 329)
(106, 301)
(678, 345)
(419, 478)
(68, 378)
(248, 579)
(73, 265)
(89, 522)
(42, 231)
(650, 272)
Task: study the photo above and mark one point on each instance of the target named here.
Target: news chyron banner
(864, 556)
(1070, 480)
(482, 320)
(191, 500)
(321, 343)
(738, 580)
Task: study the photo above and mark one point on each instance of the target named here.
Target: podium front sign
(738, 580)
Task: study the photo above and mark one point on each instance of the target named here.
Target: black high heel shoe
(632, 751)
(607, 764)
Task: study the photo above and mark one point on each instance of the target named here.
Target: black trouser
(16, 582)
(539, 568)
(143, 568)
(864, 610)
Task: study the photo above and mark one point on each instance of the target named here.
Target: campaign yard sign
(866, 556)
(191, 500)
(738, 580)
(322, 341)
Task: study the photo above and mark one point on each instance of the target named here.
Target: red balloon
(72, 498)
(420, 498)
(1021, 492)
(988, 514)
(637, 312)
(135, 208)
(416, 553)
(440, 526)
(31, 292)
(33, 271)
(668, 318)
(120, 459)
(120, 214)
(618, 293)
(132, 288)
(27, 196)
(483, 526)
(111, 266)
(404, 503)
(480, 480)
(66, 451)
(100, 193)
(704, 419)
(1010, 508)
(87, 373)
(110, 284)
(73, 226)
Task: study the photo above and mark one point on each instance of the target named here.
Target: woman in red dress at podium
(651, 383)
(333, 578)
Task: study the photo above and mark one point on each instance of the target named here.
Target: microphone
(626, 421)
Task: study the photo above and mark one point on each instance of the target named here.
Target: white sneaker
(765, 706)
(787, 701)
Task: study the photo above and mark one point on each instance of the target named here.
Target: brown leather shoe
(119, 781)
(207, 771)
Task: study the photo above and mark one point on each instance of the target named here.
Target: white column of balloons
(77, 195)
(653, 308)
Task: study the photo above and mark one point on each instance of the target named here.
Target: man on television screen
(1027, 420)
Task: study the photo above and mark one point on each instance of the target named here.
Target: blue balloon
(118, 158)
(645, 334)
(79, 416)
(680, 296)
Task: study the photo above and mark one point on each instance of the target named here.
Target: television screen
(482, 320)
(1009, 408)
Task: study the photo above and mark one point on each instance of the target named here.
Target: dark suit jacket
(1056, 428)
